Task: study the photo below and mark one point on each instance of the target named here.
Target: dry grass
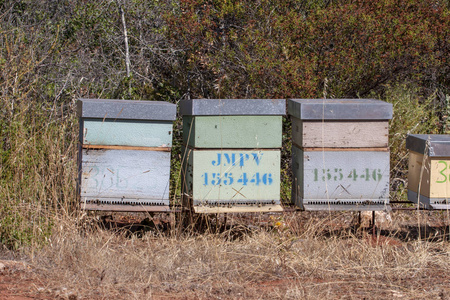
(297, 259)
(303, 255)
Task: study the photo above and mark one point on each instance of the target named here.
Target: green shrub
(413, 114)
(276, 49)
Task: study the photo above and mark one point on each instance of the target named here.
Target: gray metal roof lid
(339, 109)
(438, 144)
(126, 109)
(232, 107)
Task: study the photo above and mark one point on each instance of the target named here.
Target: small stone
(73, 297)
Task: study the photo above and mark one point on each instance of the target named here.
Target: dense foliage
(282, 49)
(54, 52)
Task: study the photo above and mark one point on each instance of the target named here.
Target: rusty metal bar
(408, 208)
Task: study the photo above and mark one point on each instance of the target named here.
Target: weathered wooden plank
(429, 176)
(164, 149)
(340, 134)
(232, 177)
(251, 132)
(419, 173)
(440, 177)
(341, 177)
(125, 174)
(126, 132)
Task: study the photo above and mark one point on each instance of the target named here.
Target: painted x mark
(238, 192)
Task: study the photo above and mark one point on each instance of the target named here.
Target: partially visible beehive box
(429, 170)
(231, 159)
(124, 156)
(340, 154)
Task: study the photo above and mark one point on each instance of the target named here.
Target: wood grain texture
(429, 176)
(125, 174)
(419, 173)
(251, 132)
(340, 134)
(440, 177)
(126, 133)
(232, 175)
(106, 147)
(340, 177)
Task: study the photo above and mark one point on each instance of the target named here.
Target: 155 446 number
(245, 179)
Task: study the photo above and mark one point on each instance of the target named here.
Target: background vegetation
(54, 52)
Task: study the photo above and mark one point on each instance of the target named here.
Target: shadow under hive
(428, 171)
(231, 159)
(124, 155)
(340, 154)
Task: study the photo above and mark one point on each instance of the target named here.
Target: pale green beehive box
(231, 160)
(124, 154)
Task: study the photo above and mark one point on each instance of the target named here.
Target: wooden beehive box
(340, 154)
(231, 159)
(429, 172)
(124, 155)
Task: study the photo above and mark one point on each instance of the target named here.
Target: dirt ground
(21, 280)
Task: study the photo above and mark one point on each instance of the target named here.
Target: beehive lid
(339, 109)
(126, 109)
(232, 107)
(438, 144)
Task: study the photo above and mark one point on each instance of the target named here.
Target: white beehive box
(340, 155)
(124, 156)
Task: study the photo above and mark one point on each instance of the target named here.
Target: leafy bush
(264, 49)
(413, 114)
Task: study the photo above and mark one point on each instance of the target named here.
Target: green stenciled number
(442, 172)
(376, 174)
(353, 175)
(316, 175)
(326, 174)
(338, 174)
